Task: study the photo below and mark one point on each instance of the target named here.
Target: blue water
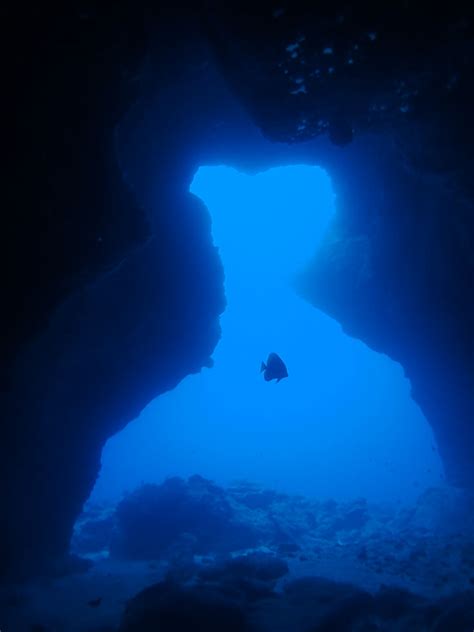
(343, 425)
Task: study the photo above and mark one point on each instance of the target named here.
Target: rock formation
(112, 288)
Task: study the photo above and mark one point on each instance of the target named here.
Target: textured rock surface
(193, 516)
(104, 308)
(426, 548)
(97, 320)
(311, 604)
(311, 565)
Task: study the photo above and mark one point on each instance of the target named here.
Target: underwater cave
(188, 190)
(344, 408)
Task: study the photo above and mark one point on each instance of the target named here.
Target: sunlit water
(342, 425)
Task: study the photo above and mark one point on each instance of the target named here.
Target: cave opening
(343, 425)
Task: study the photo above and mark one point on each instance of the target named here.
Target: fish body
(274, 369)
(95, 603)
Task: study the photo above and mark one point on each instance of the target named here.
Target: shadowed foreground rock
(169, 608)
(310, 604)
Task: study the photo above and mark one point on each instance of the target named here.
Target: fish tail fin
(263, 366)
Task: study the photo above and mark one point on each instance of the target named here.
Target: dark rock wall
(108, 351)
(108, 301)
(112, 288)
(68, 79)
(399, 280)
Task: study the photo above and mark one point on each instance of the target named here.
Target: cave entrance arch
(343, 425)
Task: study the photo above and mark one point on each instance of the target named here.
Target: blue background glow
(342, 425)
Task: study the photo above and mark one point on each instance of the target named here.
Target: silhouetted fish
(274, 369)
(95, 603)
